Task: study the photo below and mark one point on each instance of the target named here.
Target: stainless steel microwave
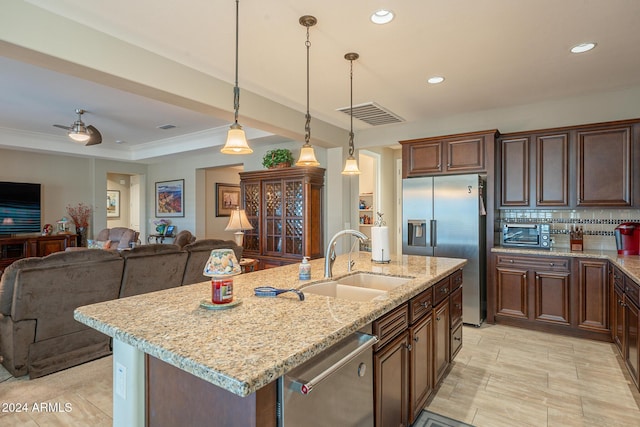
(526, 236)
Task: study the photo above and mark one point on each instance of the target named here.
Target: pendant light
(236, 139)
(307, 155)
(351, 165)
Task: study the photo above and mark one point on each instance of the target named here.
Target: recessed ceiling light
(435, 80)
(382, 16)
(583, 47)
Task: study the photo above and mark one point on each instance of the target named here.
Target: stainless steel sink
(357, 287)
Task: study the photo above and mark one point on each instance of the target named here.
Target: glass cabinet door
(273, 216)
(294, 211)
(252, 209)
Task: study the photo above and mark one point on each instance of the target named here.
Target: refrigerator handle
(433, 234)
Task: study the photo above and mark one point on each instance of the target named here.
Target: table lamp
(238, 222)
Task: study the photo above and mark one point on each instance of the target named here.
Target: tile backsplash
(598, 224)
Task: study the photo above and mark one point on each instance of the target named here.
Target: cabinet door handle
(511, 261)
(458, 306)
(408, 347)
(551, 264)
(457, 339)
(438, 318)
(444, 290)
(416, 338)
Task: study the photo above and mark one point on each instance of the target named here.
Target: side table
(248, 264)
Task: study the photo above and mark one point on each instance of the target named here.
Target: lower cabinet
(554, 294)
(391, 382)
(414, 352)
(441, 337)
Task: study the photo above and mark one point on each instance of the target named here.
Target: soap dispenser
(305, 269)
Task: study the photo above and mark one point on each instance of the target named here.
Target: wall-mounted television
(20, 210)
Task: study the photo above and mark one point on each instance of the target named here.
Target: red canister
(222, 290)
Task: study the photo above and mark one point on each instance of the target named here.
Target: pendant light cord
(236, 89)
(307, 126)
(351, 147)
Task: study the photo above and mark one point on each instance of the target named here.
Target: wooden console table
(15, 248)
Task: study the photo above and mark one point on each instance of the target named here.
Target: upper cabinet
(589, 165)
(604, 166)
(462, 153)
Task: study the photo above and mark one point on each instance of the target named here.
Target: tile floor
(503, 376)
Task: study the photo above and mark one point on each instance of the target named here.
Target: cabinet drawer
(632, 290)
(390, 325)
(548, 263)
(441, 290)
(456, 341)
(456, 280)
(420, 305)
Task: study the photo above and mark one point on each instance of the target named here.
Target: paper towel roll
(380, 244)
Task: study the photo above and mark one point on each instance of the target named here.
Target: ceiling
(492, 53)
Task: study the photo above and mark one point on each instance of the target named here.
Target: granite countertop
(629, 264)
(247, 347)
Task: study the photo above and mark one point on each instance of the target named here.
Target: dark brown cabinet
(420, 363)
(552, 170)
(631, 353)
(593, 295)
(533, 289)
(284, 207)
(549, 165)
(413, 352)
(441, 340)
(578, 166)
(604, 170)
(462, 153)
(514, 171)
(15, 248)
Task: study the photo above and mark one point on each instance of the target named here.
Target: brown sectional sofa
(38, 334)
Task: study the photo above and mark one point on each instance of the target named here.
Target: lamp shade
(351, 166)
(238, 221)
(236, 141)
(307, 156)
(222, 263)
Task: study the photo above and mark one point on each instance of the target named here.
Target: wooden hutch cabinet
(284, 207)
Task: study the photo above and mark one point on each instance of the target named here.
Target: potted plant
(277, 158)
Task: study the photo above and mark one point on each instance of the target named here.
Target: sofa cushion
(9, 276)
(98, 244)
(150, 268)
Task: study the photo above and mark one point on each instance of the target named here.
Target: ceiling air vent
(373, 114)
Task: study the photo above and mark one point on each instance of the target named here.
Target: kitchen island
(243, 349)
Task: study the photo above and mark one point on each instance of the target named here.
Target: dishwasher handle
(305, 387)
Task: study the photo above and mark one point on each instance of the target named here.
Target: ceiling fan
(80, 133)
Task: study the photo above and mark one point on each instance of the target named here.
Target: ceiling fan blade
(63, 127)
(95, 137)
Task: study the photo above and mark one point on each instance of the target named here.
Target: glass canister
(221, 290)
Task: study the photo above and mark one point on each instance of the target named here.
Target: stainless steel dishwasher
(335, 388)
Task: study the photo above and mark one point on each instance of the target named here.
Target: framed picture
(227, 198)
(113, 204)
(170, 198)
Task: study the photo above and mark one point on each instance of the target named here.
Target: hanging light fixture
(307, 155)
(236, 139)
(351, 165)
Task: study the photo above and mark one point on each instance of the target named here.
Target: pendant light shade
(351, 165)
(307, 155)
(236, 139)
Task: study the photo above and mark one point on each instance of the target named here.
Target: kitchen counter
(246, 347)
(629, 264)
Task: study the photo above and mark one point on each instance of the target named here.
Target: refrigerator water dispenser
(417, 232)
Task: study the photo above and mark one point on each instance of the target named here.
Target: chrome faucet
(330, 256)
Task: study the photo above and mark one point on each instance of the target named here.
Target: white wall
(121, 183)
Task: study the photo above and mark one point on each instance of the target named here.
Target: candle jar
(222, 290)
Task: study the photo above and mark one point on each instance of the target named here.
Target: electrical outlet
(121, 380)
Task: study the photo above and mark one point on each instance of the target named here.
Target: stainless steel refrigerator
(445, 216)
